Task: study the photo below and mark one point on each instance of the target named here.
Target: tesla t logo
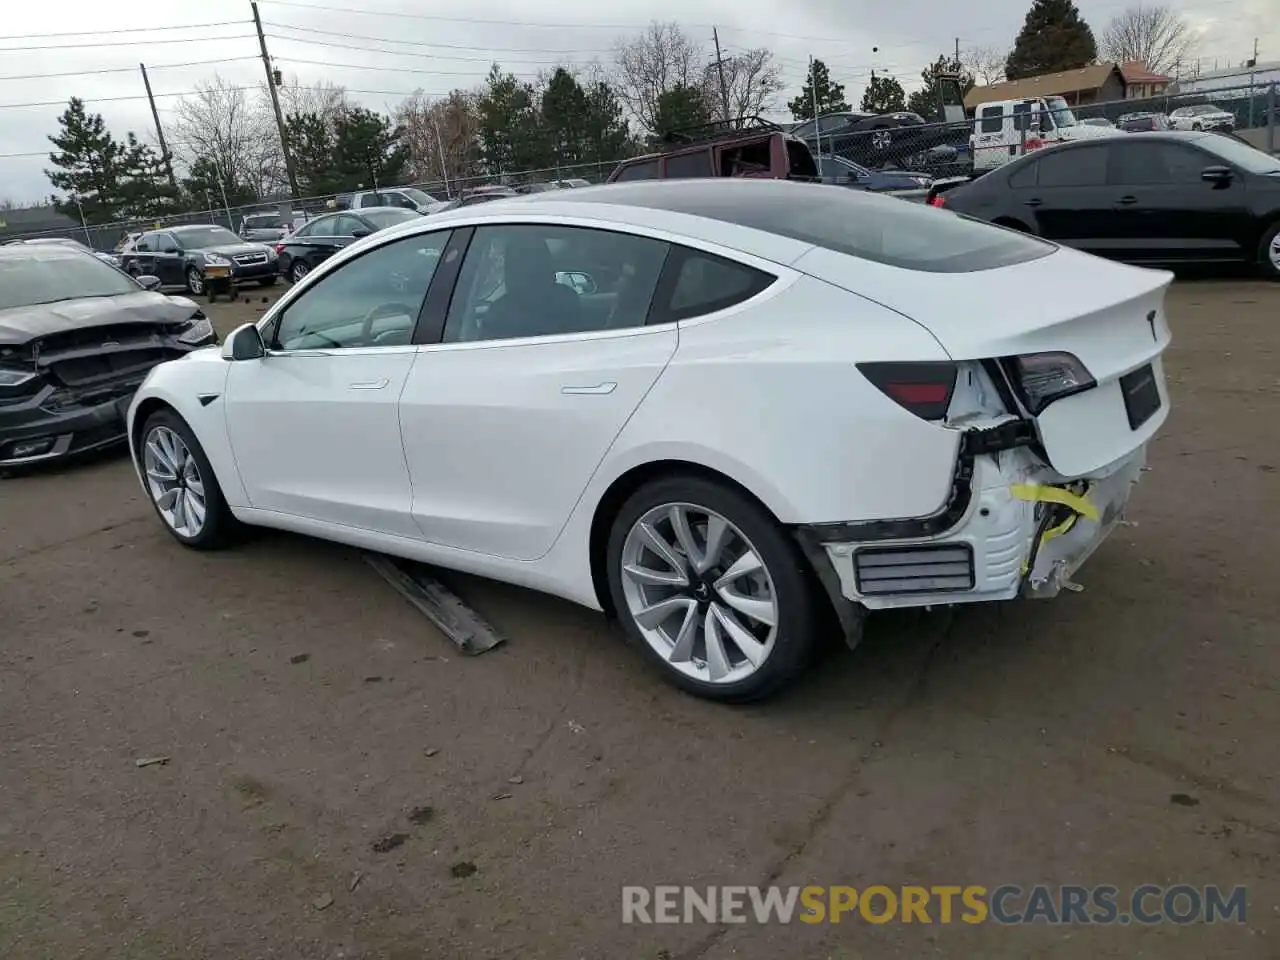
(1151, 322)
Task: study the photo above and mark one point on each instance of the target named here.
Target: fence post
(1272, 106)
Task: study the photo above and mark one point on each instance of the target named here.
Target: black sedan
(77, 337)
(312, 244)
(1149, 198)
(196, 256)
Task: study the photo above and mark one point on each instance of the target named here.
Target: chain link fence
(109, 236)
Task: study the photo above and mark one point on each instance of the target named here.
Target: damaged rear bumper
(1011, 527)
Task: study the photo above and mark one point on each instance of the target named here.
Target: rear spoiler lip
(949, 183)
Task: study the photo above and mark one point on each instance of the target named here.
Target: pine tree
(369, 149)
(564, 117)
(608, 135)
(511, 136)
(884, 95)
(679, 108)
(90, 164)
(1054, 37)
(818, 86)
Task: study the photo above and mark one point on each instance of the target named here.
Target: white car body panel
(493, 457)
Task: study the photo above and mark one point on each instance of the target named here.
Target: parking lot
(341, 783)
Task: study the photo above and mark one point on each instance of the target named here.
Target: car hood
(230, 249)
(18, 325)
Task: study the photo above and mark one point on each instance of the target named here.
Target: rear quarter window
(648, 170)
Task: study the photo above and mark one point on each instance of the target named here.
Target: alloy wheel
(699, 593)
(195, 282)
(174, 481)
(299, 270)
(1273, 253)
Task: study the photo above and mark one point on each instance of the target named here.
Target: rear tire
(729, 600)
(297, 270)
(1269, 252)
(181, 484)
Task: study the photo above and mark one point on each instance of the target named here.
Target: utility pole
(957, 54)
(275, 103)
(813, 89)
(724, 88)
(155, 115)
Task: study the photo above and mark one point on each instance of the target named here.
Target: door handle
(1126, 201)
(598, 390)
(369, 384)
(1034, 202)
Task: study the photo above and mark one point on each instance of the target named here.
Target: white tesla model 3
(719, 409)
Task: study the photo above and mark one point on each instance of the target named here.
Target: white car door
(314, 424)
(507, 418)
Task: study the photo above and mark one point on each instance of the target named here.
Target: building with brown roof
(1097, 83)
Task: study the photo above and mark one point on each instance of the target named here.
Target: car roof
(26, 251)
(185, 227)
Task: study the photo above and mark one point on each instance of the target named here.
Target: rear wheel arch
(617, 494)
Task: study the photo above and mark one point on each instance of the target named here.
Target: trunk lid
(1108, 315)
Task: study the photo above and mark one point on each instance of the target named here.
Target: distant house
(1098, 83)
(1141, 83)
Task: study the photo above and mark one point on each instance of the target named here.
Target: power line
(398, 53)
(433, 73)
(490, 23)
(418, 43)
(158, 66)
(124, 43)
(98, 33)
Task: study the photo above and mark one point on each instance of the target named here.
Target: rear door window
(991, 119)
(1080, 167)
(682, 165)
(695, 283)
(1139, 164)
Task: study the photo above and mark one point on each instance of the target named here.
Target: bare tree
(660, 59)
(1158, 36)
(752, 80)
(441, 136)
(221, 125)
(985, 64)
(326, 99)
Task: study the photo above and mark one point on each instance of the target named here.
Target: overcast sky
(440, 46)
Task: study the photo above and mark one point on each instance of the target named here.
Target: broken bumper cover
(1010, 531)
(29, 433)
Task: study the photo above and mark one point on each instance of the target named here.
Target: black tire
(220, 526)
(297, 270)
(269, 281)
(195, 282)
(1270, 268)
(793, 587)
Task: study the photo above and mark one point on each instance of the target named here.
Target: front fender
(194, 387)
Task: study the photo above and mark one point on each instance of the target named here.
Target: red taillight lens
(938, 200)
(923, 388)
(279, 249)
(1042, 378)
(1033, 143)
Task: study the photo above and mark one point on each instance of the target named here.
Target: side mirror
(1217, 175)
(148, 282)
(244, 343)
(360, 233)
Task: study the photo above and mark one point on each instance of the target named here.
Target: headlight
(201, 329)
(214, 260)
(15, 378)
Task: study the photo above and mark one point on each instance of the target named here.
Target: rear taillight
(923, 388)
(1042, 378)
(938, 200)
(279, 249)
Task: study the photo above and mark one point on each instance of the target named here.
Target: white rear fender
(195, 387)
(821, 432)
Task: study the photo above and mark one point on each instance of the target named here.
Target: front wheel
(1269, 252)
(711, 589)
(181, 483)
(195, 282)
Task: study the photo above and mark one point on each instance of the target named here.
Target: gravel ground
(340, 783)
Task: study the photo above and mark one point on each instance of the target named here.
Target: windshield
(49, 276)
(198, 238)
(1239, 154)
(833, 166)
(417, 196)
(1062, 114)
(389, 218)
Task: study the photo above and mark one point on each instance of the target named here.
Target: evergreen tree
(511, 133)
(311, 144)
(608, 137)
(681, 106)
(368, 148)
(90, 164)
(925, 100)
(565, 116)
(1054, 37)
(884, 95)
(818, 85)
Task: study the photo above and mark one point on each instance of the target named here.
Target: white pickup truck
(1006, 129)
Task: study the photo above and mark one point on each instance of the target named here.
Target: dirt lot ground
(342, 784)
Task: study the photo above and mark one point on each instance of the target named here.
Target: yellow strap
(1041, 493)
